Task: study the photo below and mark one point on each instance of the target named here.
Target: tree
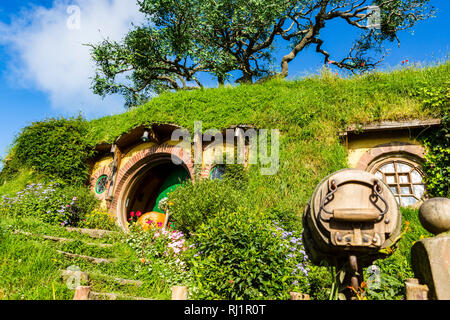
(184, 38)
(394, 16)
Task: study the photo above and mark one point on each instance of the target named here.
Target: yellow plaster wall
(130, 154)
(357, 147)
(209, 154)
(146, 145)
(103, 162)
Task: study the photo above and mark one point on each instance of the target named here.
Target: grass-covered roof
(309, 114)
(295, 107)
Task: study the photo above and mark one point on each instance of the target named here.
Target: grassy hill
(309, 114)
(291, 106)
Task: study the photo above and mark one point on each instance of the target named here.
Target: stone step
(58, 239)
(93, 233)
(88, 258)
(85, 277)
(85, 293)
(113, 296)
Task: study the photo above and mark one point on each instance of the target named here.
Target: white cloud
(48, 52)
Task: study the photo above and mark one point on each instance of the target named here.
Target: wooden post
(179, 293)
(299, 296)
(416, 291)
(116, 165)
(82, 293)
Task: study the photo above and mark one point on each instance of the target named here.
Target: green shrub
(195, 203)
(98, 219)
(246, 255)
(437, 165)
(56, 148)
(9, 171)
(161, 252)
(51, 203)
(393, 271)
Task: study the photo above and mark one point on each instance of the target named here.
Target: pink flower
(74, 199)
(132, 214)
(159, 224)
(138, 214)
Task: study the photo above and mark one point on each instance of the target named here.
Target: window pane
(416, 177)
(394, 190)
(402, 167)
(388, 168)
(217, 172)
(379, 175)
(390, 179)
(101, 184)
(407, 201)
(405, 190)
(419, 190)
(403, 178)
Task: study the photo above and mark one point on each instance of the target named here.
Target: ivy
(55, 148)
(437, 165)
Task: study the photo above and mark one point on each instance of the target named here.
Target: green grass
(19, 182)
(399, 263)
(309, 114)
(30, 265)
(286, 105)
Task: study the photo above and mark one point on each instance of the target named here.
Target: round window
(102, 182)
(404, 178)
(217, 172)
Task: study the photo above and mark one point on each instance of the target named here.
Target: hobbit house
(144, 165)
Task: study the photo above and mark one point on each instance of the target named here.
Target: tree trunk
(307, 39)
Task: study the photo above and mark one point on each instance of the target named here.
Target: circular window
(101, 184)
(404, 178)
(217, 172)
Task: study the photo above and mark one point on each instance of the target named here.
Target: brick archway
(141, 161)
(106, 170)
(393, 148)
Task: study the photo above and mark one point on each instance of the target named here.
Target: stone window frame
(404, 151)
(413, 163)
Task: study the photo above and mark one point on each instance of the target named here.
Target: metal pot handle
(354, 214)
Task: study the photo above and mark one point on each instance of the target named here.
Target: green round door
(175, 178)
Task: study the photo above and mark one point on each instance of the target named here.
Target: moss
(290, 106)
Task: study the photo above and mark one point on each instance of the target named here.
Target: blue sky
(45, 70)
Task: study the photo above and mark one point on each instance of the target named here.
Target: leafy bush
(98, 219)
(246, 255)
(51, 203)
(56, 148)
(437, 165)
(9, 171)
(195, 203)
(394, 270)
(382, 285)
(162, 252)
